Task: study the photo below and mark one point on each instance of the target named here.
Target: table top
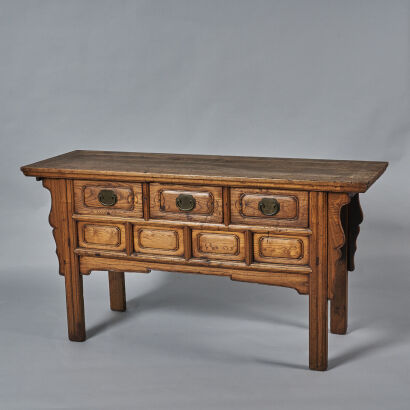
(297, 173)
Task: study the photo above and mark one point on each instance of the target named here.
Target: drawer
(269, 207)
(186, 203)
(101, 236)
(159, 241)
(281, 249)
(218, 245)
(108, 198)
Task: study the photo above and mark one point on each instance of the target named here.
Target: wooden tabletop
(310, 174)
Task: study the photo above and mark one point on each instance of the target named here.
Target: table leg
(116, 282)
(318, 284)
(75, 305)
(338, 305)
(318, 323)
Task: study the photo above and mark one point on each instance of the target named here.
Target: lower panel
(298, 281)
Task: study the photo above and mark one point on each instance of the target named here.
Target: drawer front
(186, 203)
(218, 245)
(101, 236)
(108, 198)
(158, 241)
(281, 249)
(269, 207)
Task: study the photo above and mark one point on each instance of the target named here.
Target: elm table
(275, 221)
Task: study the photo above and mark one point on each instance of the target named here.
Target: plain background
(307, 78)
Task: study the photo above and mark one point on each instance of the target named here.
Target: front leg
(75, 305)
(318, 283)
(65, 235)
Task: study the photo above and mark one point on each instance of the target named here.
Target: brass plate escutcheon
(185, 202)
(269, 206)
(107, 197)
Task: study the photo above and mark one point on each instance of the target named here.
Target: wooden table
(275, 221)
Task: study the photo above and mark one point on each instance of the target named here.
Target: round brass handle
(269, 206)
(185, 202)
(107, 197)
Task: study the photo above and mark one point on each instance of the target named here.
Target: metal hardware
(269, 206)
(185, 202)
(107, 197)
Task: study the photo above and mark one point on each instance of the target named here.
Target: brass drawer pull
(269, 206)
(185, 202)
(107, 197)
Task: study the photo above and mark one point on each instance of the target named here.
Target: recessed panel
(280, 249)
(218, 245)
(101, 236)
(248, 207)
(108, 198)
(186, 203)
(162, 241)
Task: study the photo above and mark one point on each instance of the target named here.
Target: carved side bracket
(355, 218)
(336, 237)
(58, 220)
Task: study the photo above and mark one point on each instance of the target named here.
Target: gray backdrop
(318, 79)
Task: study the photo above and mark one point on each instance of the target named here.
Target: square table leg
(116, 282)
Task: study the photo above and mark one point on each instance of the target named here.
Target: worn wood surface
(337, 238)
(291, 250)
(129, 198)
(309, 174)
(318, 306)
(159, 241)
(101, 236)
(218, 245)
(339, 302)
(58, 220)
(116, 281)
(73, 278)
(308, 245)
(293, 210)
(300, 282)
(208, 203)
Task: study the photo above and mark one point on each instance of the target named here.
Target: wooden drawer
(127, 198)
(96, 235)
(218, 245)
(207, 203)
(158, 240)
(280, 249)
(247, 206)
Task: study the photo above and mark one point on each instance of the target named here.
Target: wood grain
(218, 245)
(73, 278)
(159, 241)
(305, 174)
(102, 236)
(336, 238)
(129, 198)
(116, 282)
(58, 220)
(339, 302)
(318, 286)
(308, 245)
(293, 207)
(281, 249)
(201, 261)
(300, 282)
(208, 208)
